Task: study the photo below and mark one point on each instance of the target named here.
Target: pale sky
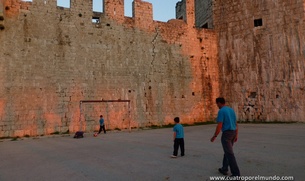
(163, 10)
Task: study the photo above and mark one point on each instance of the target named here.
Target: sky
(163, 10)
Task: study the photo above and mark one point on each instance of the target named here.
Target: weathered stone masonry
(261, 55)
(262, 65)
(53, 57)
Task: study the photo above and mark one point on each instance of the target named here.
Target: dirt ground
(262, 149)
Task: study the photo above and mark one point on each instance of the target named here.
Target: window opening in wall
(252, 95)
(98, 6)
(258, 22)
(206, 25)
(63, 3)
(95, 19)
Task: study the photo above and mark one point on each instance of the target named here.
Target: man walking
(226, 121)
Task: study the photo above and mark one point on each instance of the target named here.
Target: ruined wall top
(185, 10)
(142, 11)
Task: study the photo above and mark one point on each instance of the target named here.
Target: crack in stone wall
(154, 47)
(60, 58)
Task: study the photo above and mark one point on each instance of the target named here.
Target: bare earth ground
(262, 149)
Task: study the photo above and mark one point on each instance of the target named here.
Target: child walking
(178, 138)
(102, 125)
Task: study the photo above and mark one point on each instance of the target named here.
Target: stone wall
(181, 10)
(1, 15)
(54, 57)
(204, 13)
(262, 66)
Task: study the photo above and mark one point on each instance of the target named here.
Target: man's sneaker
(222, 172)
(173, 156)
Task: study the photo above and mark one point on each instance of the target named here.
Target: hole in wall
(95, 19)
(252, 95)
(205, 26)
(258, 22)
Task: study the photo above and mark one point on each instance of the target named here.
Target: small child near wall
(178, 138)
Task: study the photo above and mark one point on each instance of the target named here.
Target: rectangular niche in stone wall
(95, 19)
(258, 22)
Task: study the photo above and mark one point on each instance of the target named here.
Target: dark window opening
(252, 95)
(205, 26)
(95, 19)
(181, 17)
(258, 22)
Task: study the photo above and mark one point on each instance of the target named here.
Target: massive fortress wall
(53, 57)
(262, 57)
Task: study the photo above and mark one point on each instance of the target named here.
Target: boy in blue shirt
(102, 125)
(178, 138)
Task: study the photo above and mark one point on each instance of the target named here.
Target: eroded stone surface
(262, 67)
(53, 57)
